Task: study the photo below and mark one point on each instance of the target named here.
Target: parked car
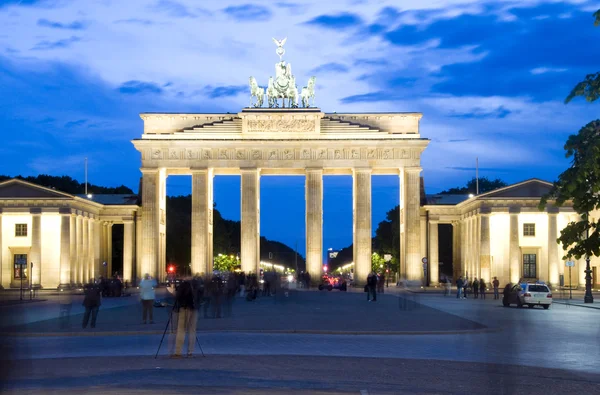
(527, 294)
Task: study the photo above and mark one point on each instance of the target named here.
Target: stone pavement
(301, 312)
(286, 375)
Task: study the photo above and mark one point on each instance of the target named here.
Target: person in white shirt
(147, 295)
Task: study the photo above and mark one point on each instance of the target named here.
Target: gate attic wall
(259, 142)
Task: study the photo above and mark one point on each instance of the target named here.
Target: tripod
(178, 323)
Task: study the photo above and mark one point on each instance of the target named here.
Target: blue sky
(489, 76)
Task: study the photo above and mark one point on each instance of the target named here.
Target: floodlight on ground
(471, 195)
(89, 195)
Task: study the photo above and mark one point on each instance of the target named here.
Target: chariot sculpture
(282, 86)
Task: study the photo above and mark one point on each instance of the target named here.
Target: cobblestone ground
(287, 375)
(299, 311)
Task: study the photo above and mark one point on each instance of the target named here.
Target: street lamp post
(588, 298)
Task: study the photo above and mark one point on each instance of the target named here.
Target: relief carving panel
(281, 125)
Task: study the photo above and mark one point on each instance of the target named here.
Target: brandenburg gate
(279, 140)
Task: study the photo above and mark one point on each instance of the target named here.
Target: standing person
(91, 302)
(147, 296)
(459, 287)
(475, 286)
(482, 288)
(187, 315)
(465, 287)
(66, 301)
(496, 284)
(372, 287)
(380, 283)
(448, 286)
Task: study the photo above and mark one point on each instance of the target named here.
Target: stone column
(553, 248)
(434, 275)
(514, 251)
(485, 259)
(127, 250)
(85, 262)
(150, 221)
(109, 250)
(97, 250)
(314, 221)
(202, 221)
(91, 251)
(412, 205)
(457, 267)
(138, 247)
(79, 253)
(401, 212)
(250, 243)
(362, 224)
(73, 248)
(65, 248)
(36, 247)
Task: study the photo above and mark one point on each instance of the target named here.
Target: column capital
(146, 170)
(313, 170)
(434, 221)
(35, 211)
(413, 169)
(552, 210)
(362, 170)
(249, 170)
(485, 211)
(514, 210)
(201, 170)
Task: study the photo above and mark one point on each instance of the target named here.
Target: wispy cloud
(544, 70)
(64, 43)
(174, 9)
(135, 21)
(139, 87)
(343, 20)
(224, 91)
(248, 13)
(457, 140)
(73, 124)
(480, 113)
(76, 25)
(331, 68)
(494, 169)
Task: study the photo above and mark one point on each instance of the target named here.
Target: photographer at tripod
(186, 308)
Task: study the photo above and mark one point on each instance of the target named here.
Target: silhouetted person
(371, 287)
(147, 296)
(475, 286)
(91, 301)
(496, 284)
(185, 307)
(482, 288)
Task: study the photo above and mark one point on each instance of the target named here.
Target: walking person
(372, 287)
(459, 287)
(187, 317)
(496, 284)
(147, 296)
(475, 286)
(91, 302)
(448, 286)
(482, 288)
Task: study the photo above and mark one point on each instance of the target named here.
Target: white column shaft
(433, 253)
(150, 222)
(36, 249)
(314, 221)
(250, 243)
(109, 250)
(412, 198)
(127, 250)
(91, 252)
(456, 255)
(514, 252)
(85, 263)
(552, 249)
(484, 248)
(202, 216)
(362, 224)
(65, 249)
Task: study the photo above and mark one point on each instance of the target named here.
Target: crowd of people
(477, 286)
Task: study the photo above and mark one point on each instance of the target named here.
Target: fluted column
(91, 252)
(412, 198)
(150, 221)
(202, 221)
(79, 252)
(250, 243)
(138, 247)
(484, 245)
(65, 249)
(314, 221)
(97, 235)
(514, 252)
(434, 274)
(36, 247)
(457, 267)
(552, 248)
(127, 250)
(85, 263)
(361, 198)
(109, 249)
(73, 248)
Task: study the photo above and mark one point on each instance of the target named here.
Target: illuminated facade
(66, 237)
(503, 234)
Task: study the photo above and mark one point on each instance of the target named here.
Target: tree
(225, 263)
(485, 185)
(590, 86)
(69, 185)
(580, 183)
(377, 263)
